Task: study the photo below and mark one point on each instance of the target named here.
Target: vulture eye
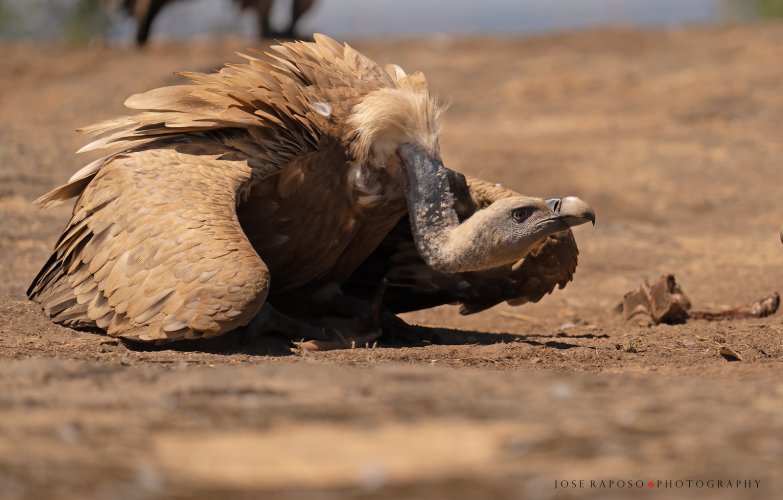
(521, 214)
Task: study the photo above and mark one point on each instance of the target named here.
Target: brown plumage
(285, 175)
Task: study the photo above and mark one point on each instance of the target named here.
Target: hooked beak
(571, 211)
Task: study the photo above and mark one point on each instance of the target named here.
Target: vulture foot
(344, 338)
(352, 322)
(362, 327)
(323, 334)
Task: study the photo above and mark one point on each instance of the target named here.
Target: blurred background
(82, 21)
(665, 115)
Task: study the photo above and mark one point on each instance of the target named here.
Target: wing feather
(267, 102)
(129, 265)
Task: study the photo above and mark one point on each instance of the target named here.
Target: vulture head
(397, 129)
(500, 233)
(506, 231)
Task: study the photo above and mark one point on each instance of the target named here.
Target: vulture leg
(270, 321)
(334, 322)
(343, 321)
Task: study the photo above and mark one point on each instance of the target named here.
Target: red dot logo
(650, 484)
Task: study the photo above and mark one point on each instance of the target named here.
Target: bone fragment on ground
(665, 302)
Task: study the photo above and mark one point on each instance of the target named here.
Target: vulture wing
(150, 254)
(272, 112)
(154, 249)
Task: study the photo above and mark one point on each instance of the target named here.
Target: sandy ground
(675, 139)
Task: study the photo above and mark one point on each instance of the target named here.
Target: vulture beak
(570, 211)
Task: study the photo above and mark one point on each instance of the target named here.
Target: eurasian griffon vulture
(277, 188)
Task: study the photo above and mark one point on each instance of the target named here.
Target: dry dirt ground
(673, 136)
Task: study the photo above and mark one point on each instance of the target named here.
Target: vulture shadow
(422, 335)
(236, 342)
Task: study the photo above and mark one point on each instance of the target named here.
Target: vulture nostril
(556, 207)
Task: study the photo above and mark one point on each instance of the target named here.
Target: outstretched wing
(412, 285)
(151, 254)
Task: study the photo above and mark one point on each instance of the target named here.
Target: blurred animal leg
(299, 8)
(263, 11)
(146, 12)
